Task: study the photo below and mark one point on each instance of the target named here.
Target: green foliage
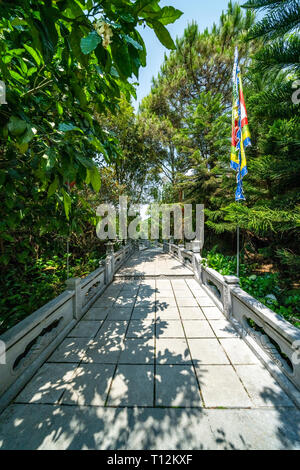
(270, 289)
(66, 64)
(184, 113)
(279, 29)
(281, 17)
(189, 113)
(36, 284)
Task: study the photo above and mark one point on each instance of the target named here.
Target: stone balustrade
(28, 344)
(274, 340)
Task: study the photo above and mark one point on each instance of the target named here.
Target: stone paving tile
(124, 302)
(167, 294)
(169, 429)
(145, 304)
(143, 313)
(238, 351)
(85, 329)
(262, 388)
(48, 384)
(165, 302)
(170, 313)
(147, 284)
(205, 301)
(144, 295)
(221, 387)
(212, 313)
(199, 292)
(140, 329)
(119, 313)
(176, 385)
(48, 427)
(132, 386)
(113, 329)
(223, 329)
(104, 302)
(169, 329)
(163, 284)
(178, 283)
(191, 313)
(183, 293)
(137, 351)
(207, 351)
(130, 288)
(186, 302)
(105, 350)
(98, 428)
(70, 350)
(112, 292)
(99, 313)
(274, 426)
(89, 386)
(198, 329)
(172, 351)
(254, 429)
(127, 296)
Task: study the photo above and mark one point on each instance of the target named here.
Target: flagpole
(68, 238)
(238, 251)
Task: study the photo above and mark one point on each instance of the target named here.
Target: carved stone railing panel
(29, 343)
(26, 341)
(91, 287)
(275, 341)
(279, 339)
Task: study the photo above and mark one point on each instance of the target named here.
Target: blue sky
(204, 12)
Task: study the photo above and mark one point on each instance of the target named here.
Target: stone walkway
(152, 365)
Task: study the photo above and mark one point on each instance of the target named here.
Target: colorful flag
(240, 130)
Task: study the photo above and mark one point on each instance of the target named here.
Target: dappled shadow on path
(132, 387)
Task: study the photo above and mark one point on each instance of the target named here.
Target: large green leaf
(53, 186)
(169, 15)
(28, 135)
(95, 178)
(121, 58)
(67, 202)
(87, 163)
(134, 43)
(65, 127)
(16, 126)
(90, 42)
(142, 6)
(163, 34)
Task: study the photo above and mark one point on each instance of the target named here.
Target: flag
(240, 130)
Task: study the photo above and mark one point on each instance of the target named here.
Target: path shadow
(102, 401)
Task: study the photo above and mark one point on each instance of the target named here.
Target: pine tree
(279, 29)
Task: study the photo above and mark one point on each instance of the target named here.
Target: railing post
(180, 249)
(196, 246)
(230, 282)
(165, 246)
(109, 263)
(74, 284)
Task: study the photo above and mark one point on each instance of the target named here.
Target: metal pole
(68, 239)
(68, 250)
(238, 251)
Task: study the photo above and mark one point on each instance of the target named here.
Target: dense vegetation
(65, 64)
(69, 139)
(189, 109)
